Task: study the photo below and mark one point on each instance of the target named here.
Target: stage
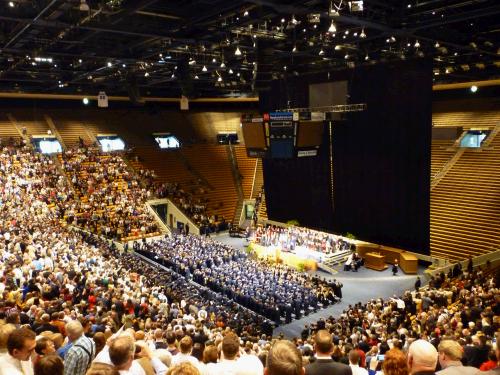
(301, 258)
(358, 287)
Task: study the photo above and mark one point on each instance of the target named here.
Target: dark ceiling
(174, 47)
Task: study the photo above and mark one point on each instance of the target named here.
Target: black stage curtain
(381, 158)
(298, 189)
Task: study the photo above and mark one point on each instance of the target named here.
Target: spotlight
(85, 101)
(294, 49)
(417, 44)
(84, 7)
(110, 65)
(146, 74)
(321, 52)
(473, 88)
(230, 71)
(219, 79)
(222, 65)
(332, 29)
(246, 13)
(12, 4)
(367, 57)
(362, 35)
(196, 77)
(204, 69)
(214, 60)
(437, 45)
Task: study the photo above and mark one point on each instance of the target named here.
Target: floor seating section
(465, 205)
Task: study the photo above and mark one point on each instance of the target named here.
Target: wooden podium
(375, 261)
(407, 262)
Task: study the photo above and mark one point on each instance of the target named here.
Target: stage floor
(359, 286)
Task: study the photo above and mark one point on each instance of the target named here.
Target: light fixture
(109, 64)
(338, 47)
(192, 62)
(230, 71)
(321, 52)
(346, 56)
(408, 6)
(214, 60)
(282, 20)
(332, 11)
(204, 69)
(417, 44)
(294, 20)
(196, 77)
(85, 101)
(219, 79)
(84, 7)
(332, 28)
(284, 67)
(222, 65)
(173, 75)
(146, 74)
(124, 65)
(80, 61)
(11, 4)
(367, 57)
(473, 88)
(362, 35)
(393, 39)
(437, 45)
(346, 32)
(294, 49)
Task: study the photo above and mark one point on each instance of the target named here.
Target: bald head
(422, 356)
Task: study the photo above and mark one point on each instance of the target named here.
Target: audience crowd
(110, 198)
(72, 304)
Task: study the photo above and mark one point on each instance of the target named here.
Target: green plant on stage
(294, 223)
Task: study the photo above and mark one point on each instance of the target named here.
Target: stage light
(294, 49)
(219, 79)
(408, 6)
(237, 52)
(196, 77)
(417, 44)
(230, 71)
(346, 56)
(214, 60)
(362, 35)
(332, 28)
(110, 65)
(321, 52)
(367, 57)
(124, 66)
(12, 4)
(437, 45)
(245, 13)
(84, 7)
(473, 88)
(146, 74)
(222, 65)
(204, 69)
(85, 101)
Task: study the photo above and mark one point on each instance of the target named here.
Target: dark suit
(327, 367)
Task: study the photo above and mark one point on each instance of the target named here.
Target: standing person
(418, 283)
(450, 356)
(395, 268)
(324, 364)
(284, 359)
(49, 365)
(79, 357)
(20, 346)
(354, 358)
(422, 358)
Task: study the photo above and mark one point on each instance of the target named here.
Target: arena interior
(249, 187)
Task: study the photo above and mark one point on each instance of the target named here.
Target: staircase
(491, 136)
(447, 167)
(330, 261)
(54, 131)
(231, 155)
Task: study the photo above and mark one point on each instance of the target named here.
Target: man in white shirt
(230, 350)
(186, 347)
(354, 363)
(20, 346)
